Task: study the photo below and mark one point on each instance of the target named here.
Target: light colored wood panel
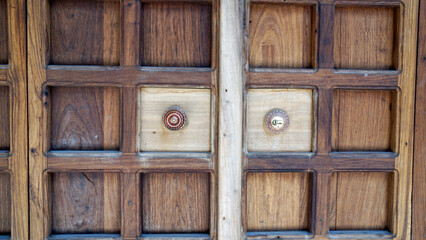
(297, 103)
(3, 32)
(175, 202)
(366, 38)
(362, 201)
(85, 32)
(4, 118)
(85, 203)
(176, 34)
(194, 137)
(85, 118)
(282, 36)
(278, 201)
(5, 206)
(364, 120)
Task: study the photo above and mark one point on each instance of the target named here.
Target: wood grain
(85, 203)
(4, 118)
(3, 32)
(85, 32)
(195, 137)
(364, 120)
(297, 103)
(278, 201)
(176, 34)
(282, 36)
(366, 38)
(6, 204)
(175, 202)
(85, 118)
(361, 201)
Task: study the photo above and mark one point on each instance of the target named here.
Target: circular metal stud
(276, 121)
(174, 118)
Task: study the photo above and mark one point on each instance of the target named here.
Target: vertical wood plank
(230, 119)
(326, 31)
(3, 32)
(131, 32)
(4, 118)
(131, 215)
(5, 206)
(419, 178)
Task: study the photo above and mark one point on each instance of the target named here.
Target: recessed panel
(176, 203)
(278, 201)
(85, 203)
(297, 104)
(5, 204)
(194, 135)
(361, 201)
(366, 38)
(85, 118)
(282, 36)
(3, 32)
(85, 32)
(176, 34)
(4, 118)
(364, 120)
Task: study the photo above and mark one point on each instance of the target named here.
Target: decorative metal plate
(174, 118)
(276, 121)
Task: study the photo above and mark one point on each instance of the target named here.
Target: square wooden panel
(85, 118)
(176, 202)
(282, 36)
(85, 203)
(5, 204)
(194, 137)
(297, 104)
(3, 32)
(364, 120)
(279, 201)
(85, 32)
(366, 37)
(4, 118)
(176, 34)
(362, 201)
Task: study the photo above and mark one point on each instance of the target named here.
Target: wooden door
(123, 119)
(13, 121)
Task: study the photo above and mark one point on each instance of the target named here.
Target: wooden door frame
(419, 167)
(14, 75)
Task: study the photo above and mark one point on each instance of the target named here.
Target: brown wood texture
(3, 32)
(5, 206)
(4, 118)
(282, 36)
(279, 201)
(176, 34)
(85, 202)
(85, 118)
(419, 177)
(366, 37)
(175, 202)
(364, 120)
(85, 32)
(361, 201)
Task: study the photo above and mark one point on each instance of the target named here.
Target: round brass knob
(174, 118)
(276, 121)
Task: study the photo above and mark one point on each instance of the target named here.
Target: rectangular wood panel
(282, 36)
(5, 204)
(361, 201)
(175, 203)
(85, 118)
(3, 32)
(85, 32)
(364, 120)
(279, 201)
(85, 203)
(176, 34)
(4, 118)
(366, 38)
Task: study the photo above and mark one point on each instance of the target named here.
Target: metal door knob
(174, 118)
(276, 121)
